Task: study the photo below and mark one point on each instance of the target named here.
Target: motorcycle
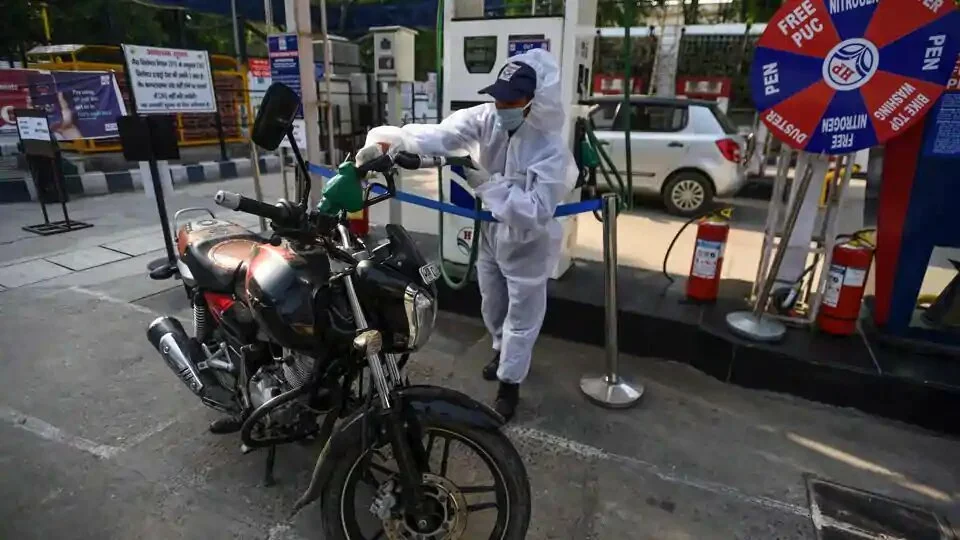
(287, 328)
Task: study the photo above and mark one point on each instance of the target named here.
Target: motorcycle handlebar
(406, 160)
(409, 161)
(235, 201)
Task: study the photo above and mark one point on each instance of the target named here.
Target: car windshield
(728, 126)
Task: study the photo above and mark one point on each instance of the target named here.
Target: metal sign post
(43, 158)
(611, 389)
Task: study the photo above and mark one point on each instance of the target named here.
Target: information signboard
(944, 137)
(284, 57)
(521, 44)
(169, 81)
(283, 53)
(837, 76)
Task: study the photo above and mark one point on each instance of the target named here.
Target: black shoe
(227, 424)
(508, 395)
(490, 370)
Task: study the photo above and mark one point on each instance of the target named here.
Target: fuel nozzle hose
(475, 242)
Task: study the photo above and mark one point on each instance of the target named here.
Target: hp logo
(850, 64)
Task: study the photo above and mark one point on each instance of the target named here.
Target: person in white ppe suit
(524, 172)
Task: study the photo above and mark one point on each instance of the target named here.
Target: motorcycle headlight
(421, 311)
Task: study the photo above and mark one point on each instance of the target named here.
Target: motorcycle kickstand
(268, 479)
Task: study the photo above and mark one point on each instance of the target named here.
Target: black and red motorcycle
(305, 334)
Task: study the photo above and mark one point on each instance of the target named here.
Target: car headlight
(421, 311)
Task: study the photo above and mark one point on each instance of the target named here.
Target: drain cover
(846, 513)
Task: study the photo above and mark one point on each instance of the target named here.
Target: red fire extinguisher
(703, 283)
(843, 291)
(359, 222)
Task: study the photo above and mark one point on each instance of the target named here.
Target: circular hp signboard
(836, 76)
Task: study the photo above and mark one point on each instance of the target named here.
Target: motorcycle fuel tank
(287, 291)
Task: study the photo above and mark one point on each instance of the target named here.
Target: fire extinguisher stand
(758, 325)
(610, 389)
(753, 324)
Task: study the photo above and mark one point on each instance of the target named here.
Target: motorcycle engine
(289, 418)
(269, 381)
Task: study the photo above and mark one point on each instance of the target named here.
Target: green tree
(105, 22)
(22, 28)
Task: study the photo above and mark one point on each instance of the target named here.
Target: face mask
(510, 119)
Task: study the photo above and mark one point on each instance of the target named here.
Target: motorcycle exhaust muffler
(167, 335)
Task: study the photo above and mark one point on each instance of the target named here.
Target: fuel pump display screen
(837, 76)
(480, 53)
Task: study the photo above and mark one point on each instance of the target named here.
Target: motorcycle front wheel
(483, 493)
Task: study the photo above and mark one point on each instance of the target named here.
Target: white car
(684, 151)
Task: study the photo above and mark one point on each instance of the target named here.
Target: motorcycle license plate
(430, 272)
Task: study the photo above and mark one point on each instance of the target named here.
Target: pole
(283, 173)
(327, 74)
(298, 20)
(155, 180)
(627, 84)
(45, 17)
(395, 106)
(254, 157)
(610, 286)
(610, 390)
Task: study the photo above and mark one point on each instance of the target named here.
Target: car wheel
(687, 194)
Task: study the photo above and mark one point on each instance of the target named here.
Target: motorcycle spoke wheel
(465, 495)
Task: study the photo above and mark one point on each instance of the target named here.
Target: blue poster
(79, 104)
(942, 135)
(285, 63)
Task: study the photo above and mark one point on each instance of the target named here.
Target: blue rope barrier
(447, 208)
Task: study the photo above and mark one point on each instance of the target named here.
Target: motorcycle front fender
(425, 403)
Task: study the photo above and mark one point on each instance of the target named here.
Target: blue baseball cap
(515, 81)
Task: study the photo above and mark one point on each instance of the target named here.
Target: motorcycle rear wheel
(510, 486)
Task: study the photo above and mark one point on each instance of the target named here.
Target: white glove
(476, 177)
(368, 153)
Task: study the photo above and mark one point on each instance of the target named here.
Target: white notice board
(33, 128)
(169, 81)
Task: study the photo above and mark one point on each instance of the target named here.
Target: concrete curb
(101, 183)
(8, 148)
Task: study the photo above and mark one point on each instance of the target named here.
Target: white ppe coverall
(531, 172)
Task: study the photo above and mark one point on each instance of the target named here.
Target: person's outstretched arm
(454, 134)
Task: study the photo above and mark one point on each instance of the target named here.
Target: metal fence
(704, 55)
(230, 86)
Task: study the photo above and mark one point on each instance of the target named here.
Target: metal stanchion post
(283, 173)
(752, 324)
(611, 389)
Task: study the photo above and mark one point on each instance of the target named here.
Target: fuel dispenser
(474, 47)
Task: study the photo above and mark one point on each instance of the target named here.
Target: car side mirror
(275, 117)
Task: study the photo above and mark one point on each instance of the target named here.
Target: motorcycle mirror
(275, 117)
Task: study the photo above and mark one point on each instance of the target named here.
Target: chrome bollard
(611, 389)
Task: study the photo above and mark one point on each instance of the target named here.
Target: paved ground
(99, 440)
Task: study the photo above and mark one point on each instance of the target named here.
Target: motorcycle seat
(215, 251)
